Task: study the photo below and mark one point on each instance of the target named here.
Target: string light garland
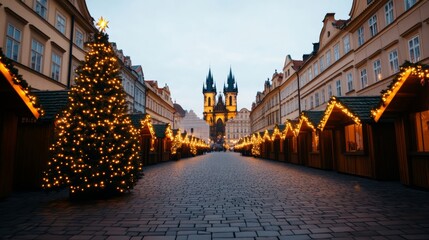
(20, 85)
(97, 148)
(333, 102)
(407, 70)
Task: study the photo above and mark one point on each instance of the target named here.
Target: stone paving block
(223, 229)
(224, 195)
(159, 238)
(223, 235)
(199, 237)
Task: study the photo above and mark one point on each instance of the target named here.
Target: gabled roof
(349, 109)
(52, 102)
(410, 84)
(15, 93)
(314, 116)
(136, 119)
(160, 130)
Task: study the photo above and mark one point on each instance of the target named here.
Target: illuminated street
(224, 195)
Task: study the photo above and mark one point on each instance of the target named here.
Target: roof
(314, 116)
(160, 130)
(360, 105)
(52, 102)
(179, 110)
(136, 118)
(349, 109)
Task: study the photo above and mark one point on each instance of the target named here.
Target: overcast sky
(177, 41)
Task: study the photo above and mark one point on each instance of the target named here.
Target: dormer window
(368, 2)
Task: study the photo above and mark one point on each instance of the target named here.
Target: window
(61, 23)
(363, 78)
(349, 77)
(338, 86)
(377, 70)
(78, 38)
(409, 4)
(322, 64)
(414, 49)
(323, 95)
(316, 99)
(336, 52)
(388, 12)
(353, 137)
(41, 8)
(361, 37)
(393, 61)
(422, 131)
(315, 141)
(311, 102)
(346, 43)
(316, 69)
(329, 90)
(373, 25)
(56, 66)
(36, 55)
(13, 42)
(310, 74)
(328, 58)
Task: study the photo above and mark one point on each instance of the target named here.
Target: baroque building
(237, 127)
(217, 111)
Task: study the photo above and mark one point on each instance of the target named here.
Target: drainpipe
(70, 53)
(299, 93)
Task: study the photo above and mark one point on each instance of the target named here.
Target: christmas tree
(96, 148)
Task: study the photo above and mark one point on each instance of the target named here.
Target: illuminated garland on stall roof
(333, 102)
(407, 70)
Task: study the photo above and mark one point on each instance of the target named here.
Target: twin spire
(210, 86)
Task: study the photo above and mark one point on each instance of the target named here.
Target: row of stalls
(381, 137)
(27, 125)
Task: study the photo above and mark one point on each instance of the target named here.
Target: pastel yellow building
(218, 111)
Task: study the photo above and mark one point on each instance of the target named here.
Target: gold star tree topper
(102, 24)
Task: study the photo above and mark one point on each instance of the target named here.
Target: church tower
(218, 111)
(209, 91)
(230, 91)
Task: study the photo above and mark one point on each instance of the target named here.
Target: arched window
(209, 102)
(230, 100)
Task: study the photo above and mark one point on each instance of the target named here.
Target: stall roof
(52, 102)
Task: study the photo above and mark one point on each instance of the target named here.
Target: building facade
(158, 103)
(218, 111)
(358, 56)
(237, 127)
(266, 108)
(46, 39)
(195, 126)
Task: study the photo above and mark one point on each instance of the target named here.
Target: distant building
(158, 103)
(266, 109)
(237, 127)
(217, 112)
(194, 125)
(132, 81)
(178, 115)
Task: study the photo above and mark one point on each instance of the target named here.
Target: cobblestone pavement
(224, 195)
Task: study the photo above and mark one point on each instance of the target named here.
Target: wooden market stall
(406, 101)
(143, 123)
(17, 104)
(360, 146)
(163, 142)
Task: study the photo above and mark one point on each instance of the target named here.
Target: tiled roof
(160, 130)
(52, 102)
(136, 118)
(314, 116)
(360, 105)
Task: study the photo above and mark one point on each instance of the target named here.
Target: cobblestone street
(224, 195)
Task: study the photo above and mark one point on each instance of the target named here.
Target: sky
(177, 41)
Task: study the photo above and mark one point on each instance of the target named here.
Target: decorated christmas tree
(96, 148)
